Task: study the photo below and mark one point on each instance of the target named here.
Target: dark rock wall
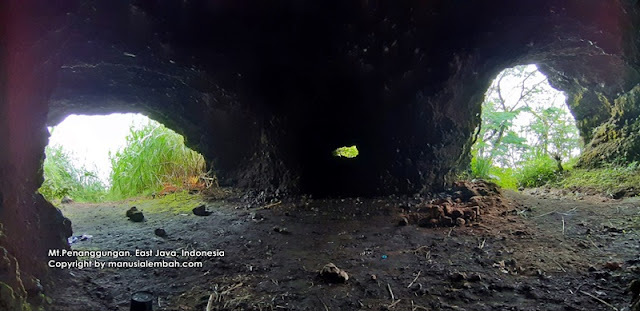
(267, 90)
(29, 225)
(600, 72)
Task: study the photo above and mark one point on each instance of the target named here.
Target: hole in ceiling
(346, 152)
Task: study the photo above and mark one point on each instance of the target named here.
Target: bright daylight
(527, 135)
(117, 156)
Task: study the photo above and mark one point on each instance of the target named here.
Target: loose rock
(134, 214)
(160, 232)
(282, 230)
(201, 211)
(332, 274)
(403, 221)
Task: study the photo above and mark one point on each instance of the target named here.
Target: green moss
(176, 203)
(575, 100)
(628, 104)
(605, 101)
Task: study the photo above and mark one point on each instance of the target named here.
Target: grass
(503, 177)
(180, 202)
(62, 178)
(154, 157)
(608, 180)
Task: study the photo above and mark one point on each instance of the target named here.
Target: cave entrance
(527, 133)
(116, 157)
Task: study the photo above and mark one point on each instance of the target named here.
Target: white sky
(550, 97)
(512, 86)
(90, 138)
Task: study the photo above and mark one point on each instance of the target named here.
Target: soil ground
(542, 250)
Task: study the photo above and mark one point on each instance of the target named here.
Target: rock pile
(462, 206)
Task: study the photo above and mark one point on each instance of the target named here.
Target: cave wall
(602, 80)
(29, 225)
(267, 91)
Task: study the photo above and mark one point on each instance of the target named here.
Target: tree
(555, 134)
(507, 97)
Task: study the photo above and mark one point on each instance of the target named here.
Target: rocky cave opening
(267, 92)
(102, 158)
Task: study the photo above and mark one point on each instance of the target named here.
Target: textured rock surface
(267, 91)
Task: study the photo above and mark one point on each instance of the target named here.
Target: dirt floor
(537, 250)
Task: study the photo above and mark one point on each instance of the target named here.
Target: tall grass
(153, 157)
(480, 167)
(62, 178)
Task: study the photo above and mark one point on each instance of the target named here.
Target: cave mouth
(526, 126)
(99, 158)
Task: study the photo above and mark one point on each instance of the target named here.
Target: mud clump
(462, 206)
(332, 274)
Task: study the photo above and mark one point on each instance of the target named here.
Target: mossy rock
(9, 301)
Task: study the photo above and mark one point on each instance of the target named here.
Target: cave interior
(266, 91)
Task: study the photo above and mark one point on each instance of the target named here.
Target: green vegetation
(180, 202)
(537, 172)
(542, 151)
(608, 179)
(62, 178)
(346, 152)
(154, 157)
(515, 153)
